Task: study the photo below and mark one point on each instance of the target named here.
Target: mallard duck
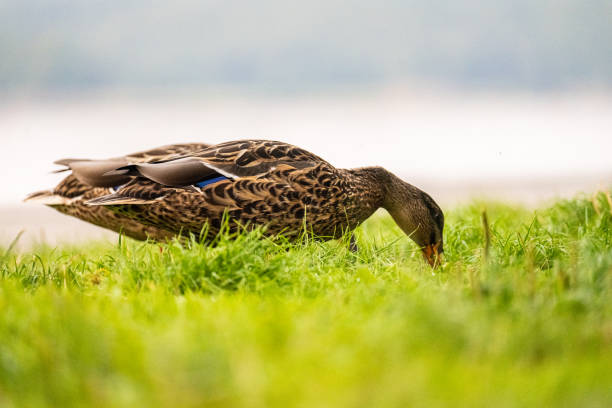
(178, 189)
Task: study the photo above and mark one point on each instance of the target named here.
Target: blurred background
(500, 99)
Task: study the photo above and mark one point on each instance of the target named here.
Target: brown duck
(178, 189)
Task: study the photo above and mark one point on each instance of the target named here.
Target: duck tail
(47, 197)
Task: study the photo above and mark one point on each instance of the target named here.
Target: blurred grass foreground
(259, 322)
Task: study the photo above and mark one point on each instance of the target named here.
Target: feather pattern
(101, 173)
(180, 189)
(257, 183)
(70, 195)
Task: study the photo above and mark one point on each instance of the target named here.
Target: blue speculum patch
(116, 188)
(210, 181)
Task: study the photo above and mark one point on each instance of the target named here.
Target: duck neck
(385, 189)
(370, 185)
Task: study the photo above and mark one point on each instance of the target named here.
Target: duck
(184, 189)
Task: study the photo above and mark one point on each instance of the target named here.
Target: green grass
(257, 322)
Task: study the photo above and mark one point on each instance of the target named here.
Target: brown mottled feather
(272, 183)
(95, 172)
(101, 216)
(70, 195)
(253, 182)
(238, 159)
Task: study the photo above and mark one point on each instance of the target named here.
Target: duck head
(418, 215)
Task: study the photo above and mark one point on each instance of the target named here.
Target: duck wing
(137, 191)
(94, 172)
(232, 160)
(247, 158)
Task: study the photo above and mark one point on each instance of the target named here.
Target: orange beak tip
(432, 256)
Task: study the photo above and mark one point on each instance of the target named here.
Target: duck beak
(432, 256)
